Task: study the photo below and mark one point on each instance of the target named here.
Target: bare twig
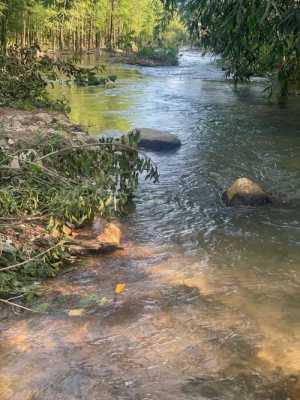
(78, 147)
(30, 219)
(21, 264)
(17, 305)
(47, 171)
(52, 173)
(16, 297)
(96, 144)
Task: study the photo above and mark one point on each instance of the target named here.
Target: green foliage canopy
(79, 24)
(60, 180)
(25, 73)
(254, 37)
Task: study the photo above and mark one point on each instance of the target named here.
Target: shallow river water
(212, 299)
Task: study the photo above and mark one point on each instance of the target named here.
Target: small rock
(104, 238)
(156, 140)
(110, 235)
(245, 192)
(76, 312)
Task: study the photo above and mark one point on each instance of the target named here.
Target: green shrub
(63, 183)
(25, 74)
(167, 55)
(23, 280)
(72, 183)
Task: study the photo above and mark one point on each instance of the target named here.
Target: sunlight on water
(211, 306)
(99, 109)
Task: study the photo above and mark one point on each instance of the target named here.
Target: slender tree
(78, 24)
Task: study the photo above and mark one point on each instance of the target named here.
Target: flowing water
(211, 306)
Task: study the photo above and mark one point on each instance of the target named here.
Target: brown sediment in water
(186, 327)
(170, 335)
(278, 345)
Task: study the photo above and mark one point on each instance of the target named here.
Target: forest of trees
(80, 24)
(253, 37)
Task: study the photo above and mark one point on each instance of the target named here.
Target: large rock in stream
(104, 237)
(245, 192)
(156, 140)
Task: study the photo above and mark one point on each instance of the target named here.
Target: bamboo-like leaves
(254, 37)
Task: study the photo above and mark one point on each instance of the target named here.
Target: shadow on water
(211, 307)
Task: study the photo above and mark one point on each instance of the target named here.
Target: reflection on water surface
(211, 309)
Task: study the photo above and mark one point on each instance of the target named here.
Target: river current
(212, 302)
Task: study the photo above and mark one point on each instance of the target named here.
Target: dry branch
(21, 264)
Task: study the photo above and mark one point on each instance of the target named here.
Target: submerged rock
(245, 192)
(156, 140)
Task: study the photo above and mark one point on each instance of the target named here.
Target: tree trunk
(3, 33)
(111, 25)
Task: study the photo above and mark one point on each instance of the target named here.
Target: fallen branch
(41, 218)
(16, 297)
(47, 171)
(96, 144)
(12, 223)
(18, 306)
(21, 264)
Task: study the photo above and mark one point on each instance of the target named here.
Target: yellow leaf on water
(76, 312)
(120, 288)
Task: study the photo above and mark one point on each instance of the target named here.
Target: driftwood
(90, 247)
(9, 303)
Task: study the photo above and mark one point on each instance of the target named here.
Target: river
(211, 306)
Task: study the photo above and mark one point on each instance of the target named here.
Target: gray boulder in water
(245, 192)
(156, 140)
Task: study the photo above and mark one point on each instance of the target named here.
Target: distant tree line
(79, 24)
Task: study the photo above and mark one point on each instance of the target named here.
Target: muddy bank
(19, 127)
